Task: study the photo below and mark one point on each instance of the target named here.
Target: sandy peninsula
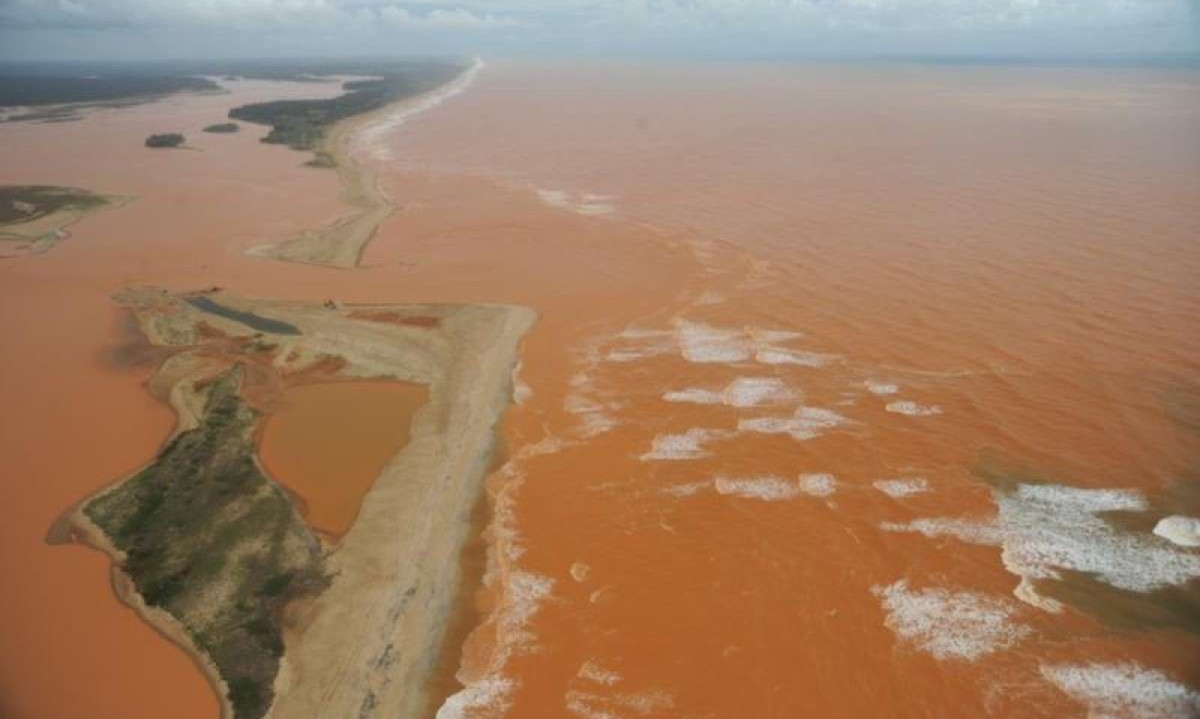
(33, 219)
(363, 638)
(341, 243)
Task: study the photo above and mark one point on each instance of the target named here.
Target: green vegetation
(209, 539)
(24, 203)
(26, 90)
(301, 124)
(223, 127)
(166, 139)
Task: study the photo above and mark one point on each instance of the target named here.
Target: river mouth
(329, 441)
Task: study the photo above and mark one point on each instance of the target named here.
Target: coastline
(74, 527)
(341, 243)
(384, 620)
(41, 235)
(372, 642)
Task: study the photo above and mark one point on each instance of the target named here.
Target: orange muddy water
(830, 361)
(329, 442)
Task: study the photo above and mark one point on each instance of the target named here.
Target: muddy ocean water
(890, 430)
(856, 391)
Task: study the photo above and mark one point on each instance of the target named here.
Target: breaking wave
(949, 624)
(1043, 529)
(1124, 691)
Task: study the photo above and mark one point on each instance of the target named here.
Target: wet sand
(330, 441)
(1029, 298)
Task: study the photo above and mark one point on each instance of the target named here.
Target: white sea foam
(593, 416)
(781, 356)
(769, 337)
(487, 697)
(524, 593)
(624, 355)
(806, 423)
(702, 343)
(592, 671)
(1184, 531)
(880, 388)
(754, 391)
(593, 204)
(521, 392)
(741, 392)
(1042, 529)
(592, 704)
(520, 596)
(490, 695)
(580, 704)
(589, 204)
(686, 490)
(818, 485)
(555, 198)
(769, 489)
(949, 624)
(645, 333)
(902, 487)
(1124, 691)
(695, 395)
(689, 445)
(912, 409)
(373, 134)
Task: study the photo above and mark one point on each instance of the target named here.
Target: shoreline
(373, 642)
(39, 236)
(342, 242)
(74, 527)
(385, 619)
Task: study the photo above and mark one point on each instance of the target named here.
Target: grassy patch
(223, 127)
(209, 539)
(24, 203)
(301, 124)
(42, 89)
(166, 139)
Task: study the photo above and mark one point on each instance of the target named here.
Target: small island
(223, 127)
(34, 218)
(167, 139)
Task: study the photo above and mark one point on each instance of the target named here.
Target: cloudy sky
(774, 28)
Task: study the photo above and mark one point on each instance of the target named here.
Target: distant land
(301, 124)
(60, 91)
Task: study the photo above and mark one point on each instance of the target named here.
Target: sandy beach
(342, 242)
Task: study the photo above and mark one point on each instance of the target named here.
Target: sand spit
(341, 243)
(75, 526)
(367, 645)
(42, 231)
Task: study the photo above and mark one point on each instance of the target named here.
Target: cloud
(444, 18)
(655, 26)
(109, 13)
